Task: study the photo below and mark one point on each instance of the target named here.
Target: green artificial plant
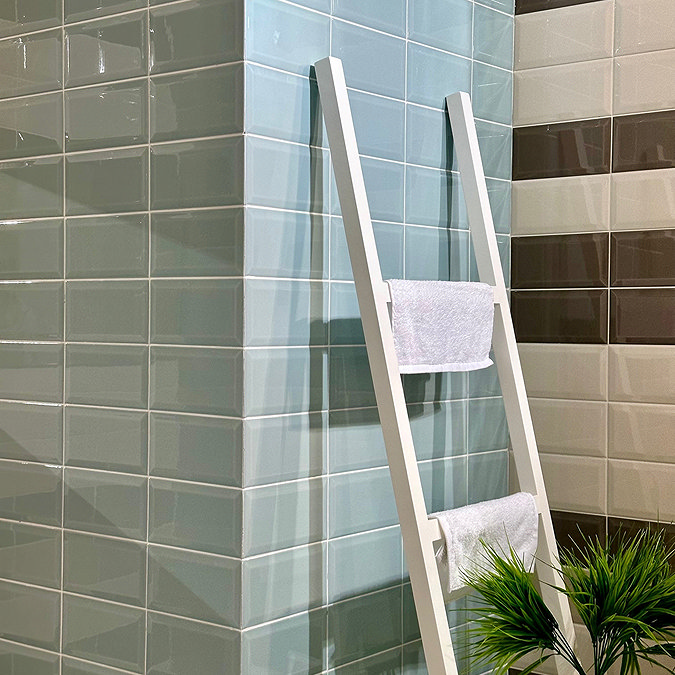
(623, 592)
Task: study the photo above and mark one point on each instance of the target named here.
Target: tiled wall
(593, 256)
(192, 477)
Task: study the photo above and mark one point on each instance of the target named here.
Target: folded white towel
(502, 523)
(441, 325)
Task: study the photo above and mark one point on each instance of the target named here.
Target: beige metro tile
(642, 373)
(575, 484)
(644, 25)
(644, 82)
(643, 200)
(641, 490)
(642, 431)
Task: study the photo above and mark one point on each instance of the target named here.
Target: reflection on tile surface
(524, 6)
(643, 258)
(644, 142)
(642, 316)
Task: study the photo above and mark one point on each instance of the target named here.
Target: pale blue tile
(349, 509)
(436, 254)
(488, 476)
(356, 440)
(379, 124)
(372, 61)
(504, 5)
(198, 380)
(32, 188)
(439, 429)
(492, 93)
(31, 372)
(364, 562)
(429, 138)
(385, 187)
(432, 75)
(487, 425)
(200, 517)
(292, 645)
(286, 176)
(499, 194)
(494, 142)
(31, 432)
(285, 515)
(444, 483)
(388, 239)
(286, 312)
(30, 554)
(455, 612)
(351, 385)
(434, 198)
(285, 380)
(345, 318)
(283, 583)
(287, 37)
(493, 37)
(385, 16)
(484, 382)
(299, 446)
(283, 105)
(445, 24)
(413, 659)
(284, 244)
(434, 387)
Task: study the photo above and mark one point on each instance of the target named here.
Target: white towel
(502, 523)
(441, 325)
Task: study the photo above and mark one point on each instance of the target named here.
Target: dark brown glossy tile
(645, 141)
(630, 527)
(560, 316)
(560, 261)
(526, 6)
(643, 258)
(572, 528)
(566, 149)
(643, 316)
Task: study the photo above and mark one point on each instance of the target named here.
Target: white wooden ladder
(419, 532)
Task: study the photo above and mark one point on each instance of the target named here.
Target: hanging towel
(441, 325)
(502, 523)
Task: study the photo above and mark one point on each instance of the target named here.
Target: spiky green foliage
(624, 592)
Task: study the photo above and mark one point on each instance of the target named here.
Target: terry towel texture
(502, 523)
(441, 325)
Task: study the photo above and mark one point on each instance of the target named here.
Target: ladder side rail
(516, 405)
(372, 293)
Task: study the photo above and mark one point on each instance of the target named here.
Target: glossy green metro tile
(107, 375)
(103, 632)
(27, 661)
(207, 103)
(101, 117)
(488, 476)
(31, 372)
(455, 611)
(196, 585)
(294, 644)
(30, 554)
(299, 443)
(356, 440)
(283, 583)
(25, 16)
(32, 311)
(286, 312)
(436, 253)
(31, 250)
(104, 182)
(77, 667)
(365, 625)
(444, 483)
(363, 563)
(111, 569)
(191, 34)
(114, 440)
(283, 105)
(31, 64)
(372, 61)
(195, 448)
(413, 659)
(201, 312)
(106, 503)
(107, 246)
(31, 126)
(284, 515)
(389, 17)
(349, 512)
(198, 243)
(201, 517)
(493, 37)
(31, 432)
(285, 380)
(285, 244)
(287, 37)
(30, 493)
(30, 615)
(351, 385)
(445, 24)
(387, 662)
(492, 93)
(439, 429)
(78, 10)
(345, 318)
(107, 311)
(201, 173)
(31, 188)
(178, 646)
(196, 380)
(434, 198)
(108, 49)
(487, 425)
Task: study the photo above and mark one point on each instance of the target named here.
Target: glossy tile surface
(442, 22)
(77, 10)
(32, 311)
(31, 372)
(641, 199)
(643, 258)
(525, 6)
(31, 64)
(31, 250)
(640, 432)
(644, 26)
(637, 316)
(639, 489)
(643, 82)
(643, 142)
(31, 126)
(30, 554)
(31, 432)
(641, 374)
(28, 15)
(575, 483)
(30, 493)
(32, 188)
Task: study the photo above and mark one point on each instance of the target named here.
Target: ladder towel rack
(419, 532)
